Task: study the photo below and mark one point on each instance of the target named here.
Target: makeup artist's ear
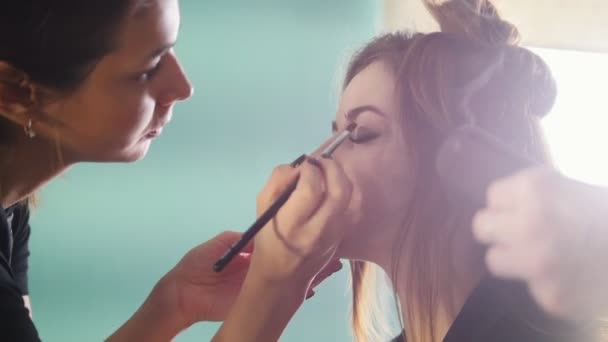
(17, 94)
(280, 179)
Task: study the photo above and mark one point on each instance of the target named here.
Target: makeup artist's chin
(137, 151)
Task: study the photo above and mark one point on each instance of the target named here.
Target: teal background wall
(266, 75)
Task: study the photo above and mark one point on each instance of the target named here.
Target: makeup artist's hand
(189, 293)
(290, 250)
(201, 294)
(192, 292)
(551, 232)
(305, 233)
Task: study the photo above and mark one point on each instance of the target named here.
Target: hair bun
(477, 20)
(530, 80)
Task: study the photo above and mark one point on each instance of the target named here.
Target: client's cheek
(356, 206)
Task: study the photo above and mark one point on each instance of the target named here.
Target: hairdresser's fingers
(336, 201)
(510, 228)
(280, 179)
(305, 199)
(532, 262)
(493, 227)
(504, 262)
(507, 193)
(502, 194)
(522, 189)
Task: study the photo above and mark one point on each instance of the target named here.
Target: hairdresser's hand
(550, 232)
(290, 250)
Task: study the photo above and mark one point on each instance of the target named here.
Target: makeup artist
(85, 81)
(551, 232)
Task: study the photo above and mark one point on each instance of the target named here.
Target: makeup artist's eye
(363, 134)
(148, 74)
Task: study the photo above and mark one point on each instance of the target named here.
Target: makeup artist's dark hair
(57, 44)
(470, 72)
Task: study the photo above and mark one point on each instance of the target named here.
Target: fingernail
(326, 156)
(337, 268)
(310, 294)
(298, 161)
(313, 161)
(245, 255)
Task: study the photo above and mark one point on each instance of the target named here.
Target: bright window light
(577, 127)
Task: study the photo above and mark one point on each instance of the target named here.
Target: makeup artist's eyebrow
(166, 47)
(161, 50)
(355, 112)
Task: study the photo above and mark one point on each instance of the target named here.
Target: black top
(503, 311)
(15, 323)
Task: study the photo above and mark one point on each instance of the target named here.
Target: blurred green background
(267, 75)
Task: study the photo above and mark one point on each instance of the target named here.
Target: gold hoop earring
(29, 131)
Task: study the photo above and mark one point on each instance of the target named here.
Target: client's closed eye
(363, 134)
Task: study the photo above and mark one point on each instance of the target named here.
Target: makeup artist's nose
(181, 88)
(186, 89)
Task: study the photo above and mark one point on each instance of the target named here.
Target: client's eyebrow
(355, 112)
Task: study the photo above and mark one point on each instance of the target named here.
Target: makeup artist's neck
(25, 166)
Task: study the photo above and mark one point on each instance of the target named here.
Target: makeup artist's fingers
(307, 196)
(336, 201)
(280, 179)
(248, 249)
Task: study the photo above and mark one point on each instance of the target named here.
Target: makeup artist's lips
(157, 131)
(154, 133)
